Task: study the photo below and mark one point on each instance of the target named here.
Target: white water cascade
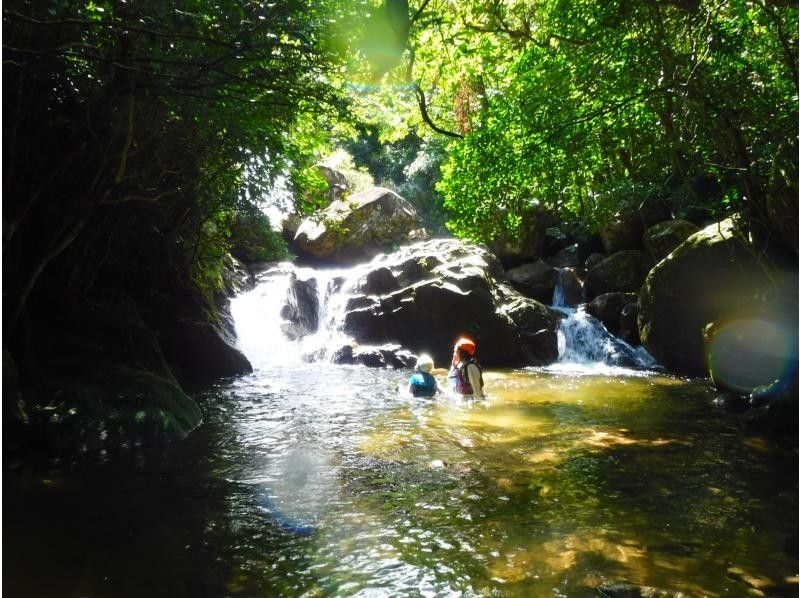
(257, 314)
(585, 344)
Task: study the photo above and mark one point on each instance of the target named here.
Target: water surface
(310, 479)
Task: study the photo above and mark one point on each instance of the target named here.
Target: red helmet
(467, 344)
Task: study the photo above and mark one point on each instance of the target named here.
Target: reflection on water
(324, 479)
(309, 479)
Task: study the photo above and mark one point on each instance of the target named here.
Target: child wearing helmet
(466, 374)
(422, 383)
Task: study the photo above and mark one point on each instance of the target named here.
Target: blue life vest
(422, 384)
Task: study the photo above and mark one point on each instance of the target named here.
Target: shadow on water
(322, 479)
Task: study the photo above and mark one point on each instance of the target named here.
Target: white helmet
(425, 363)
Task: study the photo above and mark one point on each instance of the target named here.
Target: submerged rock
(112, 406)
(630, 590)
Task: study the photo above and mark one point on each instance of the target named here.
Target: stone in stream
(391, 356)
(449, 289)
(711, 277)
(608, 308)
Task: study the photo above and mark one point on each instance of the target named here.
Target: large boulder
(608, 309)
(571, 256)
(710, 277)
(622, 272)
(200, 352)
(527, 244)
(535, 280)
(626, 229)
(450, 288)
(750, 351)
(357, 228)
(661, 239)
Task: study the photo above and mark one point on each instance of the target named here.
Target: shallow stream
(310, 479)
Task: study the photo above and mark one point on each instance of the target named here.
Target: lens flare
(746, 352)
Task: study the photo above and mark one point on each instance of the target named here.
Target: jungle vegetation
(140, 139)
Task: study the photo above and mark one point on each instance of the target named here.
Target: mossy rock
(710, 277)
(660, 240)
(116, 406)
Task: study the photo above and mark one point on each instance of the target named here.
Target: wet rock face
(628, 328)
(357, 228)
(448, 289)
(608, 309)
(570, 287)
(302, 307)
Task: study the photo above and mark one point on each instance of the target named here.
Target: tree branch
(423, 108)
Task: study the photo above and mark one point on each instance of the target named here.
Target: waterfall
(584, 341)
(259, 323)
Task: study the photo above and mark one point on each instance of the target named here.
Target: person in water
(422, 383)
(466, 374)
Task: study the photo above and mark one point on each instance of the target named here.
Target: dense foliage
(590, 108)
(409, 165)
(138, 136)
(139, 139)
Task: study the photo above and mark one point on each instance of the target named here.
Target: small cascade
(583, 340)
(569, 290)
(259, 320)
(335, 287)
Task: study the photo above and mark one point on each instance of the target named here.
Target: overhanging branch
(423, 108)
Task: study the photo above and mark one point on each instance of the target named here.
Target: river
(311, 479)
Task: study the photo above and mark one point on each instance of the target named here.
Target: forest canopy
(592, 108)
(140, 139)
